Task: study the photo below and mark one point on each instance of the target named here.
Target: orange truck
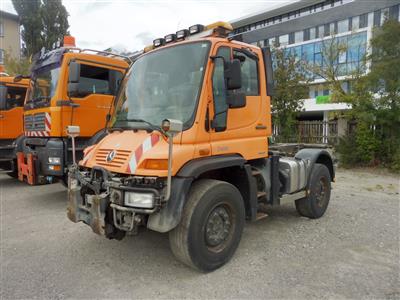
(69, 86)
(12, 96)
(187, 152)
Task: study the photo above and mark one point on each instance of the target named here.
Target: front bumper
(43, 148)
(98, 206)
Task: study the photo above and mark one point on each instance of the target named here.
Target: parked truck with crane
(55, 100)
(187, 151)
(12, 97)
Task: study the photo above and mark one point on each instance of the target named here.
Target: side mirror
(73, 78)
(233, 74)
(236, 100)
(3, 97)
(172, 126)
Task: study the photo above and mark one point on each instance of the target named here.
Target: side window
(250, 80)
(97, 80)
(219, 90)
(15, 97)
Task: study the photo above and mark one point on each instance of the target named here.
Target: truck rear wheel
(211, 225)
(315, 205)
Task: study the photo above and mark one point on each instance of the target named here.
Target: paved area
(352, 252)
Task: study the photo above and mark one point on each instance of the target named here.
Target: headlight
(140, 200)
(54, 160)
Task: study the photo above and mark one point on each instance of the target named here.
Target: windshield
(163, 84)
(44, 83)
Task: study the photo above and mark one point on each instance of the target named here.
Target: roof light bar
(69, 41)
(158, 42)
(224, 25)
(196, 28)
(181, 34)
(170, 38)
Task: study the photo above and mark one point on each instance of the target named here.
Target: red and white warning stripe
(47, 122)
(87, 154)
(39, 133)
(147, 144)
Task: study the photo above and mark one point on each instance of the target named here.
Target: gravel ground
(352, 252)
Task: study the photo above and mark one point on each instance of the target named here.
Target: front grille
(121, 156)
(35, 122)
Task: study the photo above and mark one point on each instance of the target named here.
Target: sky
(130, 25)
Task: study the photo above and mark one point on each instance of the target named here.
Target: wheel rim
(321, 192)
(219, 227)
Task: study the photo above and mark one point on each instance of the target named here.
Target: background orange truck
(12, 97)
(56, 99)
(188, 151)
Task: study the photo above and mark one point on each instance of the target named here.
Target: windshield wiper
(151, 126)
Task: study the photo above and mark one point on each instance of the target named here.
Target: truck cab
(69, 86)
(187, 151)
(12, 97)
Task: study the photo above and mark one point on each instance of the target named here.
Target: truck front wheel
(319, 189)
(211, 225)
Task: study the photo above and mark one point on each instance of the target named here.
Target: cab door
(98, 86)
(238, 130)
(11, 114)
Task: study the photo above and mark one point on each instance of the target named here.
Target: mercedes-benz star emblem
(110, 156)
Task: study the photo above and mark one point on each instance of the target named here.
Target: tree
(384, 83)
(43, 22)
(55, 22)
(31, 32)
(374, 97)
(15, 66)
(290, 88)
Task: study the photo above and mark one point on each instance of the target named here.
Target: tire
(13, 174)
(211, 226)
(315, 205)
(14, 170)
(64, 180)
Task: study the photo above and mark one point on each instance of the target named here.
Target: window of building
(325, 92)
(272, 42)
(343, 26)
(1, 56)
(308, 53)
(332, 28)
(321, 31)
(284, 40)
(313, 33)
(298, 36)
(384, 15)
(377, 17)
(363, 21)
(306, 34)
(1, 29)
(394, 12)
(370, 19)
(355, 23)
(342, 58)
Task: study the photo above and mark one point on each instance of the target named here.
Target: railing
(314, 132)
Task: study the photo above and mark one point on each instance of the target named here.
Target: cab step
(261, 215)
(261, 194)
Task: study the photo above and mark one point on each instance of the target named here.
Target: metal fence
(314, 132)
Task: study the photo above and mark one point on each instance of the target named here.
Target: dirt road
(352, 252)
